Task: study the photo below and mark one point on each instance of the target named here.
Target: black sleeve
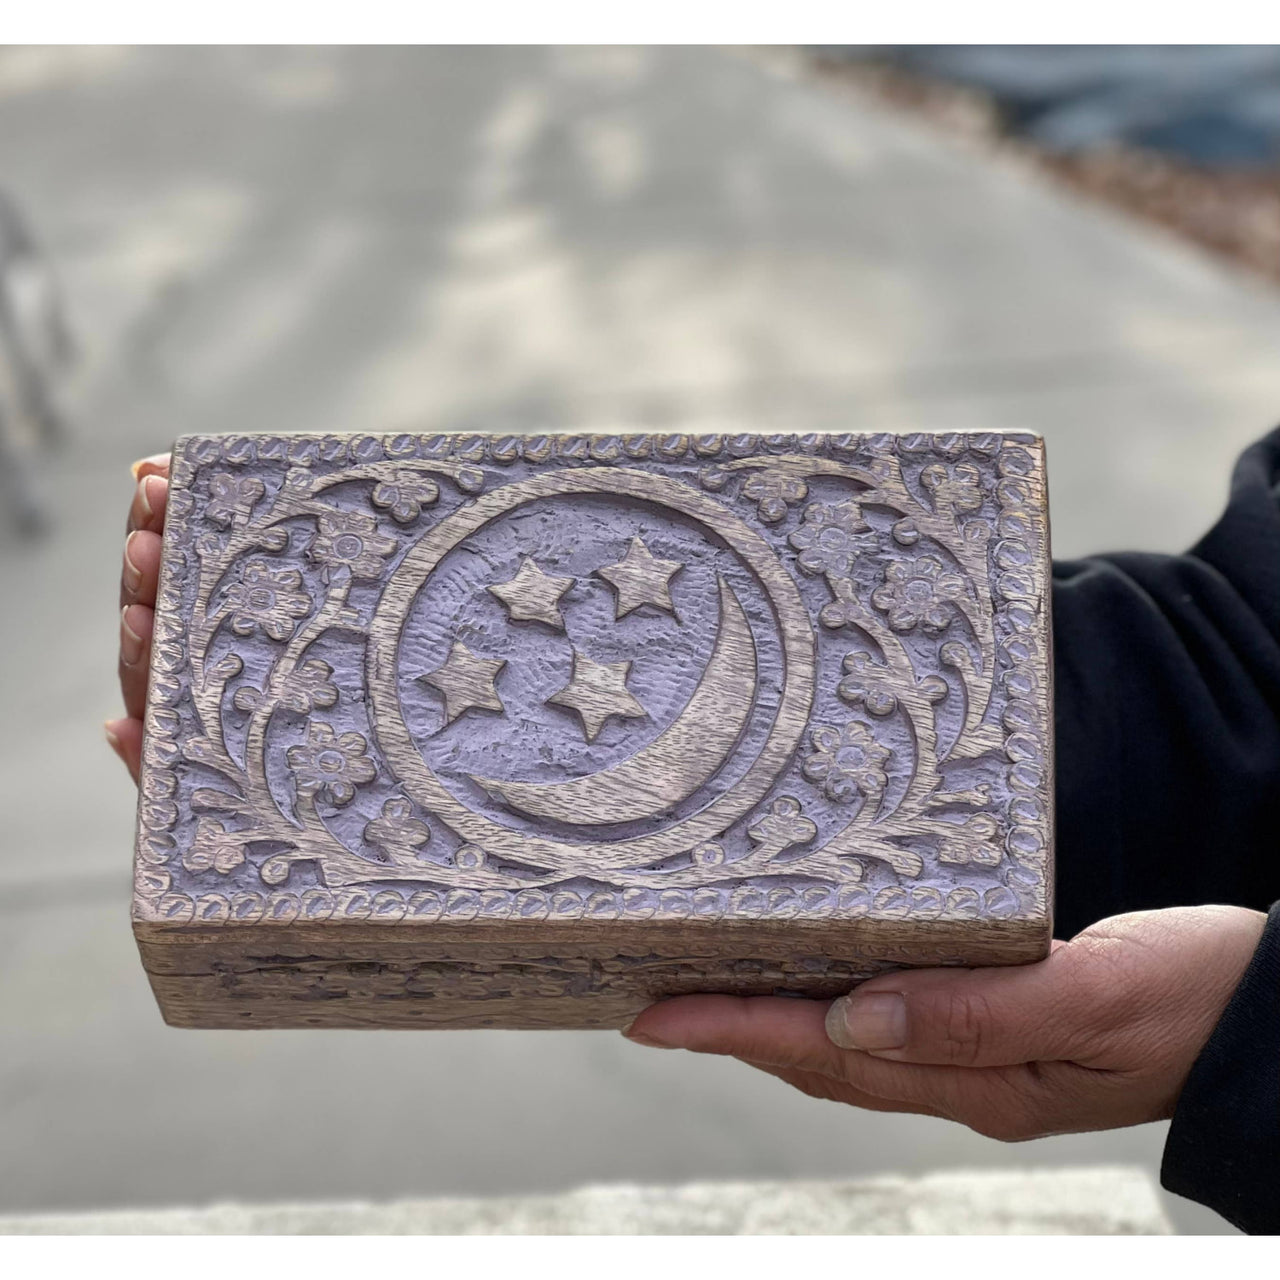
(1223, 1147)
(1167, 687)
(1167, 672)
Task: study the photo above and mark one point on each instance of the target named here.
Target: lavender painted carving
(635, 678)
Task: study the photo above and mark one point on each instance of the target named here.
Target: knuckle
(1106, 975)
(961, 1022)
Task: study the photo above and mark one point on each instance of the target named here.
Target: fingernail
(639, 1037)
(112, 740)
(146, 501)
(155, 460)
(130, 640)
(871, 1021)
(132, 574)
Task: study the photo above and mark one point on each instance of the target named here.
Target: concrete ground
(369, 239)
(1087, 1201)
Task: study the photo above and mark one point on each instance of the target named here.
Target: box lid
(707, 680)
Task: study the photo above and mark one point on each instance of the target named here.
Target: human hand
(139, 578)
(1099, 1035)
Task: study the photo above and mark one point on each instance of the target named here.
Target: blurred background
(1080, 243)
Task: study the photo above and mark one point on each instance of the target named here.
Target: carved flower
(832, 537)
(972, 844)
(847, 761)
(397, 833)
(404, 496)
(350, 540)
(960, 487)
(772, 491)
(918, 592)
(867, 682)
(309, 686)
(326, 762)
(784, 825)
(232, 498)
(268, 598)
(213, 848)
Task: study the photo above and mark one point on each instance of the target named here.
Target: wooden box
(495, 731)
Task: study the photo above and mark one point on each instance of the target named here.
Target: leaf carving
(219, 801)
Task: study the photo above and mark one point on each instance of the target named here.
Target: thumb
(971, 1017)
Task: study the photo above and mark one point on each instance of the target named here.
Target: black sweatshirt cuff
(1223, 1148)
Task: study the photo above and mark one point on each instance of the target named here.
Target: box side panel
(534, 978)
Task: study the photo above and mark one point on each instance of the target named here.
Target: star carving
(596, 691)
(466, 681)
(641, 578)
(533, 596)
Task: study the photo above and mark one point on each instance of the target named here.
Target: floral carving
(233, 498)
(872, 684)
(350, 540)
(972, 843)
(397, 832)
(847, 761)
(329, 763)
(213, 848)
(308, 687)
(404, 496)
(268, 599)
(773, 492)
(959, 487)
(918, 593)
(832, 537)
(844, 607)
(869, 683)
(783, 826)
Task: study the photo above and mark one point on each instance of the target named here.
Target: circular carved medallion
(645, 785)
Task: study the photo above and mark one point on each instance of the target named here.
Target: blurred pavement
(1090, 1201)
(509, 239)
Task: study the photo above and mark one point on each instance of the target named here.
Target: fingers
(156, 465)
(125, 739)
(139, 580)
(975, 1018)
(781, 1034)
(146, 511)
(767, 1031)
(787, 1038)
(140, 571)
(136, 623)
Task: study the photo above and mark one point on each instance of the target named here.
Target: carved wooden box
(493, 731)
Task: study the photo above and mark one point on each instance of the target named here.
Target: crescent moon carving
(678, 761)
